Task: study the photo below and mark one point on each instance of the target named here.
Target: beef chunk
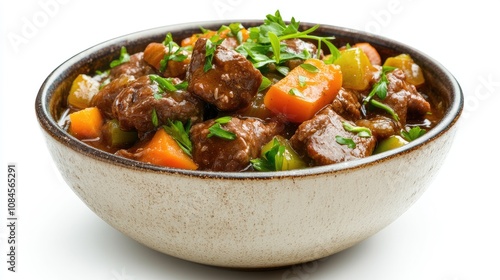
(404, 98)
(316, 138)
(106, 95)
(217, 154)
(298, 46)
(232, 82)
(347, 104)
(135, 67)
(134, 105)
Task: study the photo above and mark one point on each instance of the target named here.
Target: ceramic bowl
(247, 220)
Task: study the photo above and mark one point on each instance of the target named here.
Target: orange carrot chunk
(86, 123)
(304, 91)
(163, 150)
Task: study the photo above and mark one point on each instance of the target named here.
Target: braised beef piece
(232, 82)
(217, 154)
(298, 46)
(406, 102)
(106, 95)
(347, 104)
(316, 138)
(404, 98)
(135, 67)
(133, 107)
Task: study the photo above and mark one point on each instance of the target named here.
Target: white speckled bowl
(247, 220)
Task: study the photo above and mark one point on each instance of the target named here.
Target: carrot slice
(304, 91)
(86, 123)
(163, 150)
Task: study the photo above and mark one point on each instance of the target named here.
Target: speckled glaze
(247, 220)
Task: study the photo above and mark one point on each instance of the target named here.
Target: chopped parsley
(413, 133)
(380, 90)
(154, 118)
(217, 130)
(180, 133)
(210, 47)
(166, 85)
(268, 37)
(345, 141)
(271, 160)
(360, 130)
(124, 57)
(174, 52)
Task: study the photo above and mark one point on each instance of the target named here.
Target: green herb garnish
(268, 38)
(217, 130)
(302, 80)
(360, 130)
(386, 108)
(174, 52)
(180, 133)
(309, 67)
(272, 160)
(295, 92)
(166, 85)
(210, 47)
(413, 133)
(345, 141)
(265, 83)
(380, 87)
(124, 57)
(380, 90)
(154, 118)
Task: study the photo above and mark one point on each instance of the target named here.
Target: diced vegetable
(356, 67)
(223, 33)
(172, 62)
(392, 142)
(116, 137)
(82, 90)
(163, 150)
(278, 155)
(86, 123)
(413, 72)
(305, 90)
(370, 52)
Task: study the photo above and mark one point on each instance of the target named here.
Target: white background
(451, 233)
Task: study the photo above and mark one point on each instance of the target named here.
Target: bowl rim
(52, 128)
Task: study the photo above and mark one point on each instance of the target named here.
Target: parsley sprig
(272, 160)
(166, 85)
(268, 37)
(345, 141)
(380, 90)
(210, 47)
(412, 133)
(174, 52)
(180, 133)
(124, 57)
(217, 130)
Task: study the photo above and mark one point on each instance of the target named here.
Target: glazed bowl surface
(247, 220)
